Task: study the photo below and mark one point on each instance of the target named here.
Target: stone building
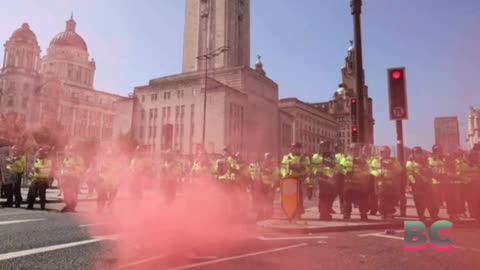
(473, 132)
(339, 107)
(57, 87)
(241, 108)
(310, 125)
(447, 133)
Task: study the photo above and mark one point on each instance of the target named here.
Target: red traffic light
(396, 74)
(354, 129)
(354, 100)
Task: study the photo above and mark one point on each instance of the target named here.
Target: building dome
(69, 37)
(24, 33)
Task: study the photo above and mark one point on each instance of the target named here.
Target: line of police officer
(373, 182)
(358, 178)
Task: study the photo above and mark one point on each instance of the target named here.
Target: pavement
(51, 240)
(310, 222)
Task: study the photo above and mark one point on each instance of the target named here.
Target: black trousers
(434, 200)
(8, 190)
(38, 188)
(17, 190)
(263, 196)
(372, 196)
(326, 196)
(340, 182)
(452, 198)
(71, 186)
(388, 198)
(354, 196)
(105, 196)
(13, 189)
(419, 197)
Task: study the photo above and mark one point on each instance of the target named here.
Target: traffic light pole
(356, 6)
(403, 177)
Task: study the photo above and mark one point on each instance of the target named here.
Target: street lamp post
(206, 57)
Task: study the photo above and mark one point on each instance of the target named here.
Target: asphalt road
(51, 240)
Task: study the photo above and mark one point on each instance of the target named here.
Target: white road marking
(20, 213)
(19, 221)
(23, 253)
(290, 238)
(377, 233)
(93, 224)
(389, 236)
(401, 238)
(194, 265)
(194, 257)
(467, 248)
(142, 261)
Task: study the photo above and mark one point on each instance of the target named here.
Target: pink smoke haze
(148, 227)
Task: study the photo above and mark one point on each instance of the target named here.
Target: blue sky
(302, 42)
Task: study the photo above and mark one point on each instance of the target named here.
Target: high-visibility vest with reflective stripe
(289, 160)
(73, 166)
(437, 166)
(42, 168)
(15, 164)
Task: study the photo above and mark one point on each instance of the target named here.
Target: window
(10, 101)
(150, 114)
(166, 95)
(143, 115)
(155, 113)
(154, 97)
(179, 93)
(24, 102)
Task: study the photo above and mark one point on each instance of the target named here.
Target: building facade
(340, 105)
(310, 125)
(473, 132)
(242, 102)
(447, 133)
(57, 87)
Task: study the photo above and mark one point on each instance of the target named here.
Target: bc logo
(415, 236)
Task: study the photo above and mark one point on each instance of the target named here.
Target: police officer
(111, 167)
(419, 180)
(387, 180)
(436, 164)
(42, 172)
(452, 187)
(356, 186)
(71, 172)
(201, 165)
(326, 183)
(471, 174)
(296, 165)
(226, 171)
(170, 172)
(265, 179)
(373, 161)
(341, 159)
(13, 169)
